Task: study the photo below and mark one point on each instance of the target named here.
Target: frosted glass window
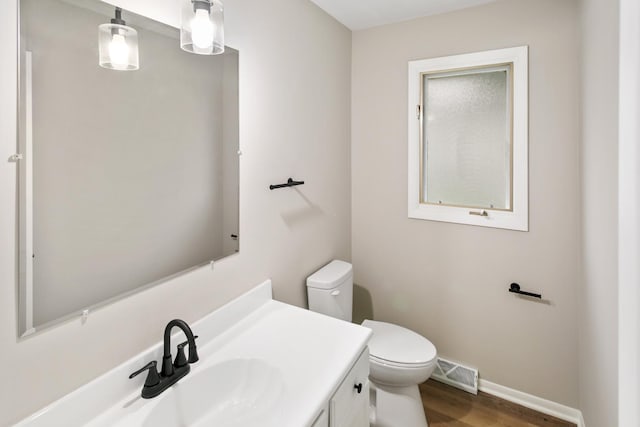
(467, 138)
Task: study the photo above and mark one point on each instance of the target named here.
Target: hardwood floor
(446, 406)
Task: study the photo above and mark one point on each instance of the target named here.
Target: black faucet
(171, 372)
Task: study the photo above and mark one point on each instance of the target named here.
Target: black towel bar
(290, 183)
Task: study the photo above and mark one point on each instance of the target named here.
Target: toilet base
(396, 406)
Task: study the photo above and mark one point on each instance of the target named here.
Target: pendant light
(118, 45)
(202, 27)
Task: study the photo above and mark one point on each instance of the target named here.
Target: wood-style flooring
(446, 406)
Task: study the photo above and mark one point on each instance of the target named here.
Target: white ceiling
(361, 14)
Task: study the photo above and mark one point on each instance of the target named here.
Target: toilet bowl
(398, 356)
(399, 359)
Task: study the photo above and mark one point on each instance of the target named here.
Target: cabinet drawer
(349, 406)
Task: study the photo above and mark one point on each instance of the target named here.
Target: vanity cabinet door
(322, 420)
(349, 406)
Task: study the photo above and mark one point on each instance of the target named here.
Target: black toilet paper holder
(515, 288)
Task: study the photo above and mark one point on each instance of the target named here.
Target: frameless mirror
(127, 178)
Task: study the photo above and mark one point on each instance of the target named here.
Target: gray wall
(599, 297)
(448, 281)
(295, 65)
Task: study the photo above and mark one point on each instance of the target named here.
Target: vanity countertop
(262, 363)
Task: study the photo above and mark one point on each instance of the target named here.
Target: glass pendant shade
(202, 27)
(118, 45)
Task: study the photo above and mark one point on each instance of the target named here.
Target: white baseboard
(539, 404)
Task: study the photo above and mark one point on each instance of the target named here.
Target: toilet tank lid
(330, 276)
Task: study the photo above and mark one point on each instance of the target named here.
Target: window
(468, 139)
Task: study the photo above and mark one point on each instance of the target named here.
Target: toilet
(399, 359)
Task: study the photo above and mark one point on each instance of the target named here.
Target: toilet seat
(393, 364)
(393, 345)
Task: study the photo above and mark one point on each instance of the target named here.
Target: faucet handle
(193, 351)
(152, 378)
(181, 360)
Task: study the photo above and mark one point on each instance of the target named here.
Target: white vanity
(262, 363)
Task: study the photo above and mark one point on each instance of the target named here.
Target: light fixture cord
(118, 19)
(202, 4)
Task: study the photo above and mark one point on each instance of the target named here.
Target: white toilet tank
(330, 290)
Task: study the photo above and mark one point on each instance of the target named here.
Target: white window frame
(516, 218)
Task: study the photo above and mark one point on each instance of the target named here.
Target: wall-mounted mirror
(127, 178)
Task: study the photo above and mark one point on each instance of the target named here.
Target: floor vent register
(456, 375)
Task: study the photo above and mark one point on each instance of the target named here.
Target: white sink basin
(262, 364)
(237, 392)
